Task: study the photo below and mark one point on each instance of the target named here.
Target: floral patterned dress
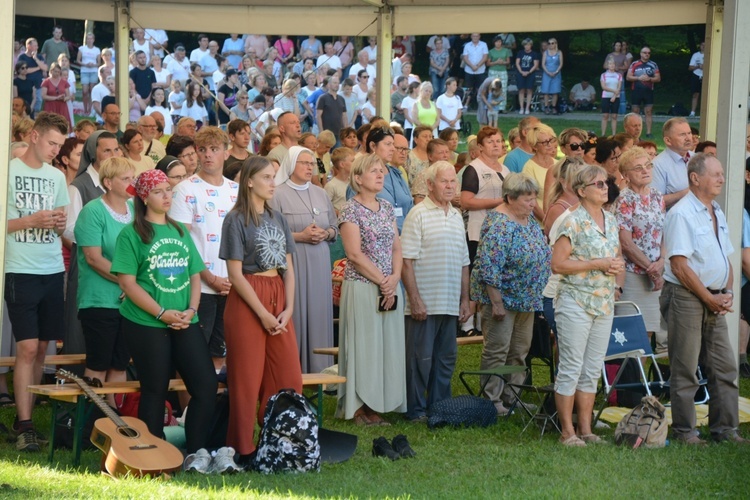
(372, 344)
(593, 291)
(643, 216)
(515, 259)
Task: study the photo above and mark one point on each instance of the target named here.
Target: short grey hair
(697, 163)
(632, 116)
(586, 175)
(433, 170)
(517, 184)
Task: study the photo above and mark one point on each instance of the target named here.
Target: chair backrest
(628, 334)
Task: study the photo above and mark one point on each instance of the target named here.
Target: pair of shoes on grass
(398, 448)
(222, 462)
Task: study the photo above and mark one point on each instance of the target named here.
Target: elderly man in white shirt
(436, 278)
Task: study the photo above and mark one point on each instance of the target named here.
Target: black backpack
(289, 438)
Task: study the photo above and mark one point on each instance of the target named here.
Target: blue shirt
(670, 172)
(516, 159)
(689, 232)
(396, 191)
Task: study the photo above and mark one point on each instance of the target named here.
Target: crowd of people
(200, 252)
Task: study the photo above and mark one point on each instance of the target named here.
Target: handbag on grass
(645, 425)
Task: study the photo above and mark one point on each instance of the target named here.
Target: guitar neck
(94, 397)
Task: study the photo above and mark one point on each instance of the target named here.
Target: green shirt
(96, 227)
(496, 54)
(162, 268)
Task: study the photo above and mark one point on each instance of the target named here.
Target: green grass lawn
(493, 462)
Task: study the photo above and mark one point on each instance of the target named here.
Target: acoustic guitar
(128, 447)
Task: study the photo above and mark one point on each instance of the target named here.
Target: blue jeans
(438, 83)
(623, 103)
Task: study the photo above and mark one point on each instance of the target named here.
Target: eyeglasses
(548, 142)
(615, 157)
(575, 146)
(598, 184)
(365, 77)
(178, 177)
(23, 67)
(306, 163)
(402, 150)
(187, 155)
(641, 168)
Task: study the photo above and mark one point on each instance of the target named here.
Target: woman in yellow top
(425, 112)
(543, 142)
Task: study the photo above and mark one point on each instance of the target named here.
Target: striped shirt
(436, 241)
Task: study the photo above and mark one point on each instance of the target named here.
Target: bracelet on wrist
(161, 313)
(195, 311)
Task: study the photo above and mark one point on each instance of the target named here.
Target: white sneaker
(200, 461)
(223, 462)
(692, 114)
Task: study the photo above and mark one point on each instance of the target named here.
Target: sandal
(361, 418)
(573, 440)
(6, 400)
(591, 438)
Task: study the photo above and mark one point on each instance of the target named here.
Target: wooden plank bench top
(70, 392)
(53, 359)
(334, 351)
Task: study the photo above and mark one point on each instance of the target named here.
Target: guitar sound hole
(128, 432)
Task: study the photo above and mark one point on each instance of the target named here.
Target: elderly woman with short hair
(510, 271)
(372, 354)
(640, 213)
(587, 254)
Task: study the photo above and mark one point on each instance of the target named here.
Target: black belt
(717, 292)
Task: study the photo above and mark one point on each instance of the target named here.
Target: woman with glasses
(640, 213)
(380, 141)
(543, 142)
(312, 221)
(587, 255)
(173, 167)
(571, 141)
(183, 148)
(552, 65)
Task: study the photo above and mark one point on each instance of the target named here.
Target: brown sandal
(573, 440)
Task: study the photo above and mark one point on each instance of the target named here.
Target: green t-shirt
(496, 54)
(96, 227)
(162, 268)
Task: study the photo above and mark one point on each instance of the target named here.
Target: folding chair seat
(628, 340)
(501, 372)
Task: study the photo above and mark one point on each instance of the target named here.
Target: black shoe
(382, 448)
(745, 370)
(401, 446)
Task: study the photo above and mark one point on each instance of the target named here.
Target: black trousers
(158, 351)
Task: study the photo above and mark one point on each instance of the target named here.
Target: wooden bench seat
(53, 359)
(71, 393)
(334, 351)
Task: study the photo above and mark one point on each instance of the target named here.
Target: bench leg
(78, 425)
(320, 405)
(52, 431)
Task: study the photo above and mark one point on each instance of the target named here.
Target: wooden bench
(53, 359)
(334, 351)
(71, 393)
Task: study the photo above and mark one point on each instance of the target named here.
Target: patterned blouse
(513, 258)
(376, 235)
(643, 216)
(594, 291)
